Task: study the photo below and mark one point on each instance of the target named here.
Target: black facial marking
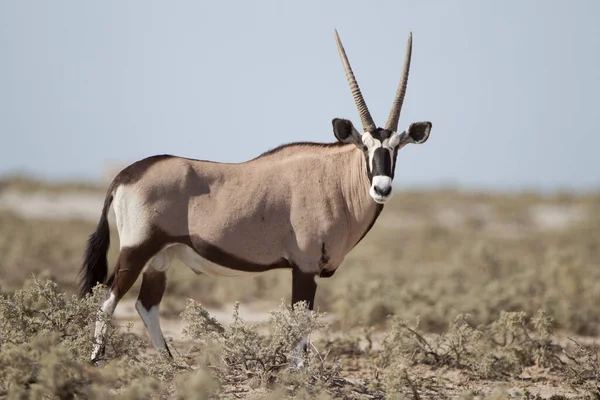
(380, 135)
(394, 163)
(382, 162)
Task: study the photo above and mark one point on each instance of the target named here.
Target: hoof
(97, 353)
(99, 363)
(296, 362)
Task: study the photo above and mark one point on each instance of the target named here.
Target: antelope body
(301, 206)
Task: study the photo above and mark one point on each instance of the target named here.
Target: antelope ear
(345, 132)
(417, 132)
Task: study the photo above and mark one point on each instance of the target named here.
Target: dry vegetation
(451, 295)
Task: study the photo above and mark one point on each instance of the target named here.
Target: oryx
(302, 206)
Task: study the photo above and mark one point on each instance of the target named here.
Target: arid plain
(451, 295)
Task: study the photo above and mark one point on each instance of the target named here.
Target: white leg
(152, 321)
(108, 308)
(297, 359)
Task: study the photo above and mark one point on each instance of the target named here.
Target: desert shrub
(455, 347)
(346, 345)
(521, 341)
(496, 351)
(199, 384)
(248, 357)
(46, 339)
(584, 367)
(41, 310)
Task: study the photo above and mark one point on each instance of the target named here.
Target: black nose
(382, 192)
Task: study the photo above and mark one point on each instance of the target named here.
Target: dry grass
(497, 283)
(24, 183)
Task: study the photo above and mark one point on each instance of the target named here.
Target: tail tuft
(95, 265)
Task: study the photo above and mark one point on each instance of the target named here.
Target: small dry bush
(498, 351)
(583, 369)
(46, 339)
(242, 356)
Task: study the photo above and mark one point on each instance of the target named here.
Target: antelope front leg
(304, 288)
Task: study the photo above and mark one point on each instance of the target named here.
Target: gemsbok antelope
(301, 206)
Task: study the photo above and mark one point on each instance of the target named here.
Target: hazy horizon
(510, 87)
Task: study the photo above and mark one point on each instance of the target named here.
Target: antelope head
(379, 145)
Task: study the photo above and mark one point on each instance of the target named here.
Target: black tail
(95, 265)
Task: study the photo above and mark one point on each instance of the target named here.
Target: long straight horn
(365, 116)
(392, 123)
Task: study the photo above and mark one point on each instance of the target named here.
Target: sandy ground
(87, 206)
(254, 313)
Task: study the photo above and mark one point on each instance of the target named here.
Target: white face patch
(372, 144)
(381, 189)
(381, 185)
(394, 140)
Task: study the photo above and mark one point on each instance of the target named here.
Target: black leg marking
(151, 293)
(304, 288)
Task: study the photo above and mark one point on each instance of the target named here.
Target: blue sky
(510, 86)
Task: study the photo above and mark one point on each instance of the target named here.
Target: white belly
(201, 265)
